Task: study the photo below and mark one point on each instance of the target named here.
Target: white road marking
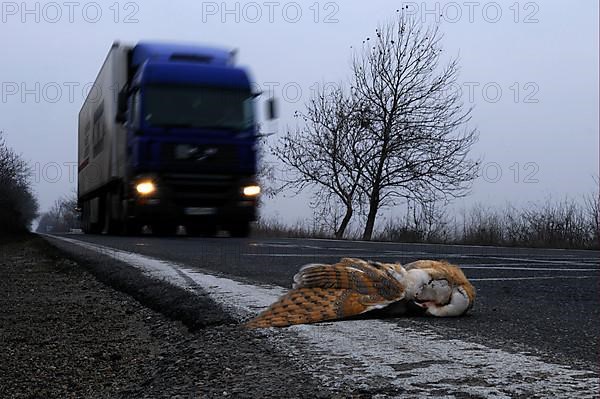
(395, 253)
(469, 246)
(513, 259)
(534, 269)
(519, 261)
(521, 264)
(296, 246)
(530, 260)
(485, 266)
(419, 363)
(293, 255)
(532, 278)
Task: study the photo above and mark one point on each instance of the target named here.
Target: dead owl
(353, 287)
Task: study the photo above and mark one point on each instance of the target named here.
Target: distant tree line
(18, 206)
(62, 217)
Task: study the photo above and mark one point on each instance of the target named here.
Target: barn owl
(352, 287)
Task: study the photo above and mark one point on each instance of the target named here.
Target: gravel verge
(66, 332)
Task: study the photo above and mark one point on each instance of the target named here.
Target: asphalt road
(538, 301)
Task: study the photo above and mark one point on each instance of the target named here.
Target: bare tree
(62, 217)
(13, 169)
(324, 154)
(592, 205)
(329, 212)
(18, 206)
(419, 141)
(266, 172)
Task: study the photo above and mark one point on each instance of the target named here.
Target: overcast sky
(530, 69)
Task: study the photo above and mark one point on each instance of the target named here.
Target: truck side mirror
(271, 109)
(121, 116)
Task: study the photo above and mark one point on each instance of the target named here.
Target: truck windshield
(203, 107)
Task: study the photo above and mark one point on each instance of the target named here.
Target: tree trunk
(339, 234)
(373, 208)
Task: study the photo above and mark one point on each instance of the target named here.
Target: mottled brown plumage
(351, 287)
(329, 292)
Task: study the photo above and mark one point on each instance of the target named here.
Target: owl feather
(323, 292)
(328, 292)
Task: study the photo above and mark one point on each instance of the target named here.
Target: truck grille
(200, 189)
(200, 158)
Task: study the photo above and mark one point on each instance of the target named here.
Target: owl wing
(353, 274)
(327, 292)
(311, 305)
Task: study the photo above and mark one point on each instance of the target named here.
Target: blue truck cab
(179, 142)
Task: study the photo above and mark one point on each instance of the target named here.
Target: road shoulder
(66, 334)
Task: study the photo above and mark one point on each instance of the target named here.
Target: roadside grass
(274, 228)
(568, 224)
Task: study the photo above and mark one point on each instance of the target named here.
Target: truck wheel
(111, 226)
(240, 230)
(98, 228)
(85, 217)
(86, 224)
(116, 220)
(129, 226)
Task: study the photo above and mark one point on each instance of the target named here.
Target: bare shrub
(483, 225)
(18, 206)
(273, 228)
(567, 223)
(427, 222)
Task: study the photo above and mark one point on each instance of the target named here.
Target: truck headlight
(251, 191)
(145, 188)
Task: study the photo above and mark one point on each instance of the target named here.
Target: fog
(529, 69)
